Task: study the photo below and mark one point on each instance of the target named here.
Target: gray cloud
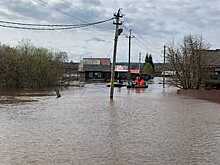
(62, 11)
(91, 2)
(26, 10)
(96, 39)
(155, 21)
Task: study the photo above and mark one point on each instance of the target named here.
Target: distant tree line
(27, 66)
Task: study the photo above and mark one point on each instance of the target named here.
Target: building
(71, 72)
(98, 70)
(210, 60)
(121, 71)
(132, 64)
(95, 69)
(160, 69)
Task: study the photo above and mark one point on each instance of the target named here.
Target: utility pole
(118, 31)
(164, 61)
(129, 54)
(140, 62)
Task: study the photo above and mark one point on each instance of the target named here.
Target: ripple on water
(83, 127)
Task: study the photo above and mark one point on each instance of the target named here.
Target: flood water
(140, 127)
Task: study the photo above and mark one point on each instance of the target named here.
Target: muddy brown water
(141, 127)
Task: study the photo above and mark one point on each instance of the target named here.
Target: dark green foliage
(29, 67)
(148, 69)
(147, 58)
(149, 65)
(151, 61)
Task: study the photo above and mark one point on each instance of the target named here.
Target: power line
(32, 28)
(59, 28)
(46, 4)
(137, 38)
(141, 42)
(52, 25)
(42, 2)
(140, 45)
(57, 25)
(140, 39)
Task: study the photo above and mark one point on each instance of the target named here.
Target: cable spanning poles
(39, 29)
(46, 4)
(32, 26)
(54, 25)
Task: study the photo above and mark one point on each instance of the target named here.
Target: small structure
(95, 69)
(71, 72)
(210, 60)
(121, 72)
(161, 69)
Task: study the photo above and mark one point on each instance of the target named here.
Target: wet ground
(141, 127)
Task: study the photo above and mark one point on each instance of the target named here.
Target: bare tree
(185, 60)
(27, 66)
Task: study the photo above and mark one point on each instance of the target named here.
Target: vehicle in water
(139, 82)
(134, 85)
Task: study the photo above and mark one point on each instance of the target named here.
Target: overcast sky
(154, 22)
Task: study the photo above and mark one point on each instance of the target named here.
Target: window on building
(90, 74)
(97, 75)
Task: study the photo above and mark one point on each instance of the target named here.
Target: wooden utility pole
(164, 61)
(139, 62)
(118, 31)
(129, 54)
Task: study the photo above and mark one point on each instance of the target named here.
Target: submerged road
(141, 127)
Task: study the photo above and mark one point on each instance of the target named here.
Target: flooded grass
(23, 96)
(15, 100)
(212, 95)
(26, 92)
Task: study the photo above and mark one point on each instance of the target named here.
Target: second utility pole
(164, 63)
(139, 67)
(129, 55)
(117, 33)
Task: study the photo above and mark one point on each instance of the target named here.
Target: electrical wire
(59, 28)
(138, 42)
(54, 25)
(140, 39)
(32, 28)
(139, 45)
(45, 4)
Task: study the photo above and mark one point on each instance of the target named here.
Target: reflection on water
(150, 126)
